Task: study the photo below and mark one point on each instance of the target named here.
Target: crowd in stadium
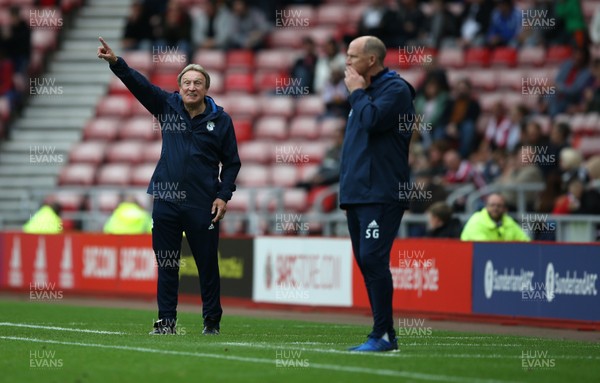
(457, 139)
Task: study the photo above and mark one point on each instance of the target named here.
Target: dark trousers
(373, 228)
(170, 220)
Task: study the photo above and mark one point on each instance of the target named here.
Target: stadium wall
(530, 283)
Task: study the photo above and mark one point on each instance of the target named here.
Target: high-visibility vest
(44, 221)
(129, 218)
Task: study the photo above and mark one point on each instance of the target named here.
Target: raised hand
(105, 52)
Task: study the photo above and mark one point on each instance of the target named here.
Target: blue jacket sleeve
(380, 114)
(231, 164)
(149, 95)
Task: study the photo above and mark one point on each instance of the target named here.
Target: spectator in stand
(571, 166)
(505, 25)
(519, 169)
(16, 39)
(430, 106)
(591, 94)
(461, 117)
(332, 58)
(569, 12)
(138, 31)
(578, 200)
(212, 26)
(7, 86)
(335, 95)
(504, 130)
(572, 78)
(558, 140)
(532, 134)
(436, 152)
(249, 27)
(440, 223)
(376, 21)
(442, 26)
(304, 67)
(129, 218)
(406, 25)
(175, 29)
(433, 189)
(492, 223)
(475, 22)
(329, 169)
(494, 165)
(460, 171)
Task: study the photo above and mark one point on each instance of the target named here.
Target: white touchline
(319, 366)
(8, 324)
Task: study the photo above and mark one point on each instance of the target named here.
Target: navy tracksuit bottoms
(373, 228)
(170, 220)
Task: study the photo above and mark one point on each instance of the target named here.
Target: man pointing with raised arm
(374, 169)
(190, 194)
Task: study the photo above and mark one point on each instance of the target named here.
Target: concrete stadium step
(23, 146)
(102, 77)
(33, 135)
(77, 56)
(110, 35)
(58, 158)
(49, 123)
(29, 170)
(65, 101)
(100, 24)
(70, 67)
(79, 112)
(104, 11)
(16, 181)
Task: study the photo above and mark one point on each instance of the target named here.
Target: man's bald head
(374, 46)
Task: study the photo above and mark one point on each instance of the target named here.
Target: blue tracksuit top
(375, 150)
(192, 149)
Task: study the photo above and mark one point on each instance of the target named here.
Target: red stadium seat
(295, 200)
(269, 81)
(114, 106)
(125, 151)
(69, 200)
(505, 56)
(253, 175)
(217, 83)
(138, 109)
(241, 200)
(142, 128)
(88, 152)
(332, 14)
(285, 38)
(296, 12)
(141, 174)
(77, 174)
(558, 53)
(284, 175)
(511, 79)
(240, 59)
(102, 128)
(477, 57)
(116, 86)
(271, 127)
(243, 129)
(169, 60)
(108, 200)
(414, 77)
(590, 146)
(151, 152)
(455, 75)
(451, 58)
(483, 79)
(307, 171)
(165, 81)
(211, 60)
(277, 106)
(239, 82)
(275, 59)
(531, 56)
(255, 151)
(114, 174)
(139, 60)
(241, 105)
(329, 127)
(304, 127)
(310, 105)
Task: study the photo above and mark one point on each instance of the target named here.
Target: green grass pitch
(45, 342)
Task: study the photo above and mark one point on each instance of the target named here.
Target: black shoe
(210, 331)
(164, 327)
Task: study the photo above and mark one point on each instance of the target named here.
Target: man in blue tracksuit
(374, 169)
(191, 184)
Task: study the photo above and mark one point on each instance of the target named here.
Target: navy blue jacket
(375, 150)
(192, 148)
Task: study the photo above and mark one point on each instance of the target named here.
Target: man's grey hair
(375, 46)
(197, 68)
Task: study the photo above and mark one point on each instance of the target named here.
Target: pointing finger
(104, 44)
